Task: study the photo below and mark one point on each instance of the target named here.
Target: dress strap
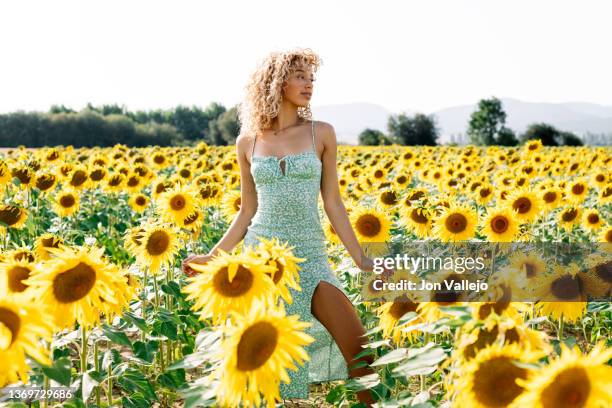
(253, 148)
(314, 147)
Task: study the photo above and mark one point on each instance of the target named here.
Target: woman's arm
(332, 200)
(248, 200)
(248, 206)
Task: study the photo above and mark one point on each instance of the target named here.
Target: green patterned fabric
(288, 209)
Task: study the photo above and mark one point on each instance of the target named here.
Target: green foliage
(419, 129)
(487, 125)
(550, 136)
(108, 125)
(373, 137)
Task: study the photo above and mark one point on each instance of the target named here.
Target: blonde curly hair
(264, 91)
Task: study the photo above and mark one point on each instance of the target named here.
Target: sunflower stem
(109, 389)
(45, 402)
(143, 304)
(97, 368)
(155, 289)
(560, 332)
(83, 349)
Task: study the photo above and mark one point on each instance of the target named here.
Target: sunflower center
(577, 189)
(402, 306)
(16, 275)
(609, 236)
(456, 223)
(67, 201)
(242, 282)
(417, 216)
(158, 243)
(12, 322)
(237, 203)
(256, 345)
(389, 197)
(593, 218)
(484, 192)
(10, 215)
(97, 175)
(499, 224)
(495, 382)
(133, 181)
(115, 181)
(74, 284)
(369, 225)
(604, 271)
(522, 205)
(159, 159)
(566, 287)
(550, 197)
(570, 388)
(280, 269)
(45, 182)
(178, 202)
(78, 178)
(446, 297)
(569, 215)
(50, 242)
(140, 200)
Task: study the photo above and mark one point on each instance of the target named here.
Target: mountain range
(578, 117)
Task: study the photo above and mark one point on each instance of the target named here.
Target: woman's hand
(198, 259)
(367, 265)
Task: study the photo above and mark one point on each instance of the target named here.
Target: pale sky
(403, 55)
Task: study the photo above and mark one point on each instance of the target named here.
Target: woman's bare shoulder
(244, 142)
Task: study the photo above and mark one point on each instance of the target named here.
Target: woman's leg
(332, 308)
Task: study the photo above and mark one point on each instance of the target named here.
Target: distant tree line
(108, 125)
(487, 126)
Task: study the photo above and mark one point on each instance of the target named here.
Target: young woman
(286, 159)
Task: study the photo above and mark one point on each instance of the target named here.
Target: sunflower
(525, 204)
(592, 220)
(577, 190)
(13, 216)
(75, 283)
(78, 178)
(605, 195)
(44, 242)
(230, 204)
(139, 202)
(177, 204)
(500, 225)
(370, 225)
(570, 217)
(24, 175)
(490, 378)
(456, 223)
(45, 182)
(561, 293)
(551, 198)
(286, 269)
(194, 222)
(388, 199)
(230, 282)
(527, 266)
(22, 325)
(21, 254)
(571, 380)
(484, 194)
(390, 316)
(532, 147)
(417, 220)
(12, 274)
(261, 346)
(114, 183)
(159, 244)
(66, 203)
(597, 278)
(606, 235)
(160, 186)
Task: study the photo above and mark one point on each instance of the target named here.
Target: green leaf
(172, 288)
(133, 380)
(90, 380)
(145, 351)
(116, 336)
(135, 400)
(391, 357)
(174, 379)
(59, 371)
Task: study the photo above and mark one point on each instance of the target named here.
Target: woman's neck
(287, 117)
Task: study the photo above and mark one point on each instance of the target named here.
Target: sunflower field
(93, 299)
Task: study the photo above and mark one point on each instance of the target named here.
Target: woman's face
(298, 88)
